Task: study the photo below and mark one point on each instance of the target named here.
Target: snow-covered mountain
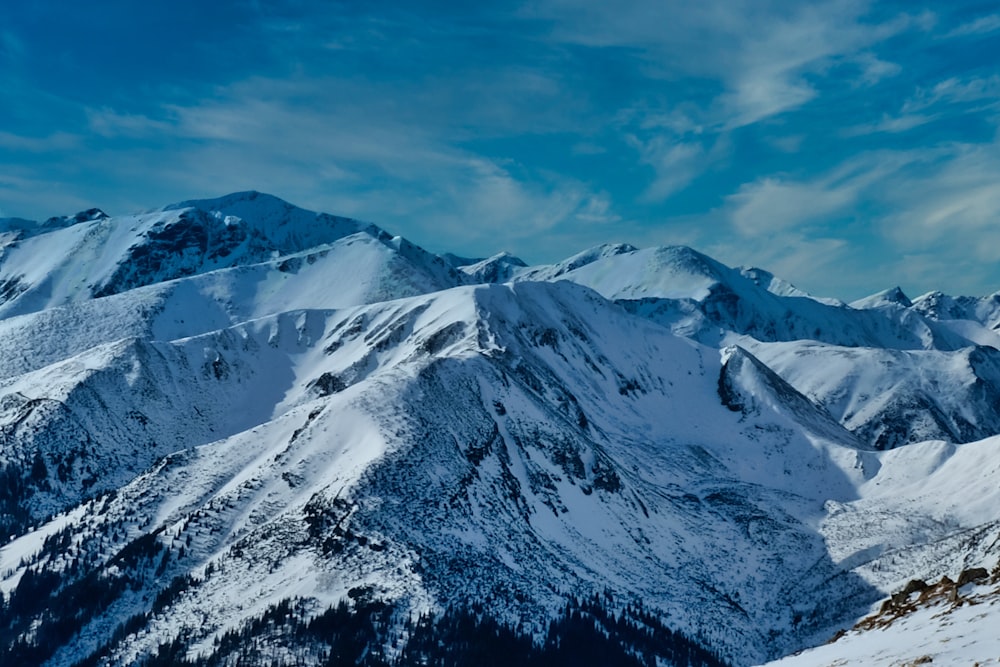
(235, 431)
(894, 359)
(91, 255)
(701, 298)
(888, 397)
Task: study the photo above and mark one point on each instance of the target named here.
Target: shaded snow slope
(493, 437)
(699, 297)
(957, 532)
(496, 269)
(893, 397)
(354, 270)
(776, 285)
(469, 444)
(213, 407)
(106, 256)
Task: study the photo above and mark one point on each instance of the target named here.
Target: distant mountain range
(233, 431)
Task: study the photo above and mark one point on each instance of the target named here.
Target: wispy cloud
(777, 204)
(955, 90)
(888, 124)
(771, 205)
(934, 208)
(334, 156)
(108, 123)
(764, 55)
(873, 69)
(21, 191)
(675, 164)
(950, 204)
(980, 26)
(58, 141)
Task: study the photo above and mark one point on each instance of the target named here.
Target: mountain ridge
(232, 408)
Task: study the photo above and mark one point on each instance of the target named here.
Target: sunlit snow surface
(938, 634)
(308, 405)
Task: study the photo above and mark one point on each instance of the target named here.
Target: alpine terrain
(235, 432)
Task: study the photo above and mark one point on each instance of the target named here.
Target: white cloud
(928, 104)
(486, 202)
(874, 69)
(108, 123)
(815, 264)
(759, 94)
(951, 205)
(936, 211)
(980, 26)
(597, 209)
(23, 194)
(770, 205)
(776, 203)
(954, 90)
(57, 141)
(745, 62)
(676, 164)
(888, 124)
(352, 152)
(790, 143)
(763, 54)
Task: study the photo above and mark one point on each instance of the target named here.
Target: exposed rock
(975, 574)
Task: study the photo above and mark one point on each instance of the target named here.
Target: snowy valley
(232, 430)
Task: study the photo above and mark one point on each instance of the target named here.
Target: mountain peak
(780, 287)
(896, 294)
(591, 255)
(228, 201)
(688, 260)
(496, 269)
(27, 228)
(90, 215)
(286, 226)
(891, 296)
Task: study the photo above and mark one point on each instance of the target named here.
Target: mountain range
(233, 431)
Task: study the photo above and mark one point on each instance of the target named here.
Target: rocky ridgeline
(965, 590)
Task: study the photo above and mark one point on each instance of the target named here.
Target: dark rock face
(174, 249)
(10, 289)
(972, 575)
(90, 215)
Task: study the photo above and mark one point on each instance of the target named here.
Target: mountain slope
(886, 406)
(471, 432)
(103, 256)
(699, 297)
(233, 431)
(354, 270)
(466, 445)
(890, 398)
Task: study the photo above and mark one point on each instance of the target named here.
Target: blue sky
(847, 146)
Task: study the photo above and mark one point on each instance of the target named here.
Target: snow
(16, 553)
(891, 397)
(938, 634)
(650, 422)
(672, 272)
